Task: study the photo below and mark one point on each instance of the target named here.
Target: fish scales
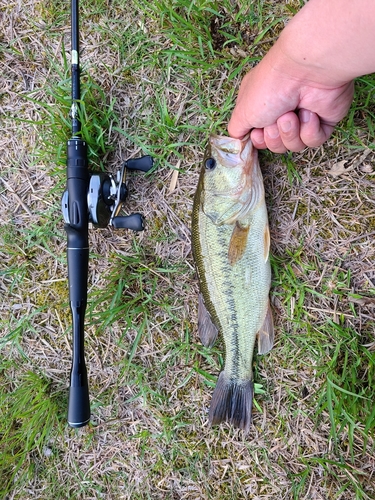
(227, 284)
(235, 294)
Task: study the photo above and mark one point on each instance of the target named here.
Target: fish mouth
(229, 154)
(231, 193)
(229, 150)
(229, 144)
(239, 199)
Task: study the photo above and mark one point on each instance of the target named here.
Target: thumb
(238, 126)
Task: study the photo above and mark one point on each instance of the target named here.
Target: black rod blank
(75, 69)
(77, 242)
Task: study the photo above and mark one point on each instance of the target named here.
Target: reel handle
(134, 222)
(144, 164)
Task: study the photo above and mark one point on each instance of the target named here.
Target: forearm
(331, 41)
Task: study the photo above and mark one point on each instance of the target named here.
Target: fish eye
(210, 164)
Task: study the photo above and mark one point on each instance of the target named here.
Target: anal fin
(266, 334)
(206, 329)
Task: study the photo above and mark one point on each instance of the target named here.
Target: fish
(231, 250)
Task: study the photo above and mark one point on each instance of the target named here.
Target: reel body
(106, 195)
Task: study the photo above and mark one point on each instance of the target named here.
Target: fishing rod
(90, 197)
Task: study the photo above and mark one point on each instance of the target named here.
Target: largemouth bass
(231, 242)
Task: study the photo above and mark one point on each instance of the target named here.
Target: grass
(157, 79)
(25, 403)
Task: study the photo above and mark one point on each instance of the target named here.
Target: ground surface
(158, 78)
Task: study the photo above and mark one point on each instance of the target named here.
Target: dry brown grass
(150, 437)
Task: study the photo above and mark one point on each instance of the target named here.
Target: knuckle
(313, 140)
(276, 148)
(296, 144)
(297, 148)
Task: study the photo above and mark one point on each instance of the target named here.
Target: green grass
(157, 78)
(349, 388)
(30, 413)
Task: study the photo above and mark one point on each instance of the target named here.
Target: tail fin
(232, 402)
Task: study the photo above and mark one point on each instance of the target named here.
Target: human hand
(285, 111)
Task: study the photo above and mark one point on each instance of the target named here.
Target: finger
(289, 129)
(312, 131)
(257, 138)
(273, 139)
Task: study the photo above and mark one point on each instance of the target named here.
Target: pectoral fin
(266, 333)
(206, 329)
(238, 242)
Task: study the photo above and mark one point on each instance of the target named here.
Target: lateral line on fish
(234, 347)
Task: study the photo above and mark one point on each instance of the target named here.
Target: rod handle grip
(79, 406)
